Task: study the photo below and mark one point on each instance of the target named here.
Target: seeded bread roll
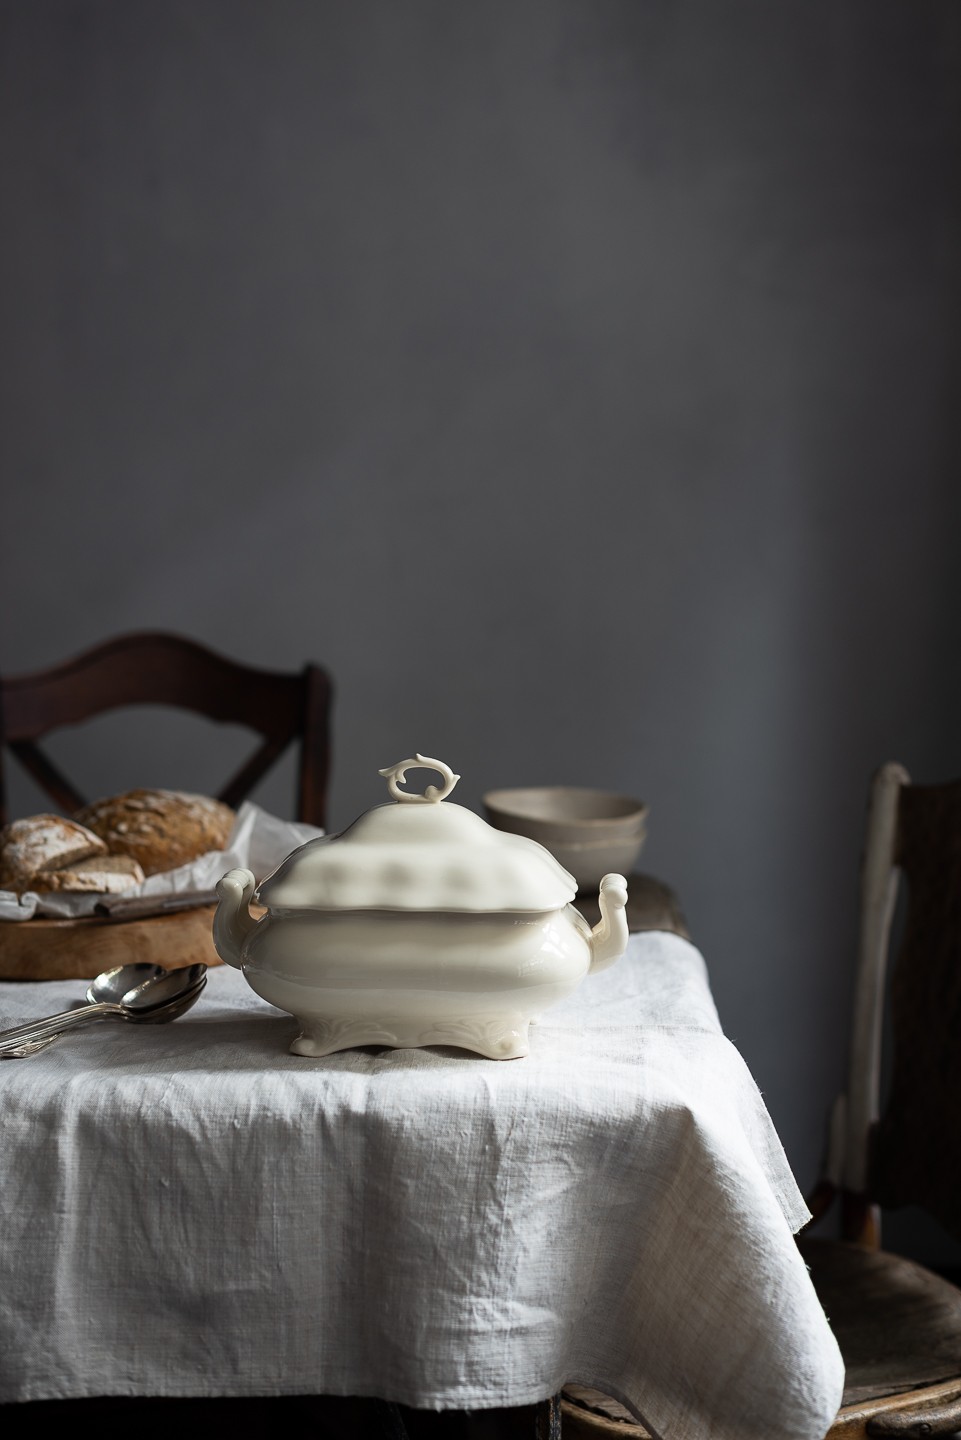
(161, 829)
(104, 875)
(43, 842)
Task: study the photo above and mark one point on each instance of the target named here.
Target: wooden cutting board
(79, 949)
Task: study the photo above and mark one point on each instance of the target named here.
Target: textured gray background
(578, 381)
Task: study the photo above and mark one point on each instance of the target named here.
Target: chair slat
(161, 669)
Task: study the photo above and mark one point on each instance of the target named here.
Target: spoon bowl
(110, 986)
(156, 995)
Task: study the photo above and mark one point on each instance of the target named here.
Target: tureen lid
(418, 853)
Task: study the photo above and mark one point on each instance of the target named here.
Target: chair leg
(548, 1419)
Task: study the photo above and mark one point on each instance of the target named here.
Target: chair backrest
(154, 668)
(897, 1139)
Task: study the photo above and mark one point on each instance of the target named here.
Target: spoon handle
(21, 1050)
(54, 1024)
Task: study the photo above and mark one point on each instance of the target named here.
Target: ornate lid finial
(394, 775)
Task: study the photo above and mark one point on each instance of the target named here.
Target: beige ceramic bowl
(591, 832)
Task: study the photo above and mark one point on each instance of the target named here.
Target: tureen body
(418, 925)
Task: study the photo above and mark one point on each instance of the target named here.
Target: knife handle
(139, 907)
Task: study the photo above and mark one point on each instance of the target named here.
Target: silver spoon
(159, 996)
(157, 1000)
(109, 987)
(19, 1050)
(158, 1014)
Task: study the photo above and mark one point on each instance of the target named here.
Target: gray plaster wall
(577, 381)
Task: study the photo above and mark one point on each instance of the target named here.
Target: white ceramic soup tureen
(420, 924)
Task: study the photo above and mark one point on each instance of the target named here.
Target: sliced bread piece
(43, 842)
(103, 874)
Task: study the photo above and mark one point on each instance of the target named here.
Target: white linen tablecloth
(188, 1209)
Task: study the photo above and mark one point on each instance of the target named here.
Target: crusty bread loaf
(43, 842)
(103, 874)
(161, 829)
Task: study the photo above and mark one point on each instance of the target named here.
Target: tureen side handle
(610, 935)
(233, 921)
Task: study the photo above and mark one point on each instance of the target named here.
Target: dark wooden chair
(894, 1137)
(153, 668)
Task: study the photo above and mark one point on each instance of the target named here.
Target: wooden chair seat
(899, 1329)
(588, 1414)
(898, 1324)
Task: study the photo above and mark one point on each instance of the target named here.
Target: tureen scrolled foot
(489, 1036)
(496, 1037)
(324, 1037)
(511, 1044)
